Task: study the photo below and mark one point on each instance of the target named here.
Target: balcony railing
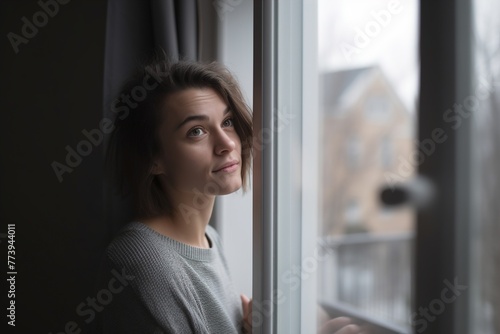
(368, 277)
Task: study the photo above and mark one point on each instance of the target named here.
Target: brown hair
(134, 142)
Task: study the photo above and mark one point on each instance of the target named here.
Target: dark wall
(50, 91)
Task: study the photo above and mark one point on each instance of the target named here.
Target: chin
(229, 186)
(228, 183)
(230, 189)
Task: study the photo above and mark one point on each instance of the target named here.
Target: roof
(335, 84)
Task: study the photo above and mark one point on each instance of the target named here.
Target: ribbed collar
(185, 250)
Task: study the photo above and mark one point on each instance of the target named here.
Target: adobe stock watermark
(225, 6)
(454, 117)
(371, 30)
(30, 28)
(93, 305)
(437, 306)
(95, 137)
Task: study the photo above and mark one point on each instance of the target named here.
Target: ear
(157, 167)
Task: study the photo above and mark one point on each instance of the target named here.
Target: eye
(228, 123)
(196, 132)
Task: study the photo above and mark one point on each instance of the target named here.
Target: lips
(228, 167)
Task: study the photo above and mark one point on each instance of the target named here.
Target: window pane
(485, 259)
(368, 82)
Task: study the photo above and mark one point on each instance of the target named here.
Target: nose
(224, 143)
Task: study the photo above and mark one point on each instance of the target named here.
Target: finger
(247, 313)
(247, 305)
(333, 325)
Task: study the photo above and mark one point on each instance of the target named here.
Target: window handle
(419, 192)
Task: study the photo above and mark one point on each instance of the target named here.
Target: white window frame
(286, 119)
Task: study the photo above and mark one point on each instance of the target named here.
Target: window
(377, 108)
(309, 260)
(370, 66)
(371, 259)
(386, 152)
(353, 214)
(353, 151)
(484, 250)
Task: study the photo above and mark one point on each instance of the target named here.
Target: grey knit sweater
(168, 286)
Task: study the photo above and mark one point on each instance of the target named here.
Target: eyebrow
(197, 118)
(192, 118)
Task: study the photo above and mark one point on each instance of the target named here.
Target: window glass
(485, 257)
(368, 76)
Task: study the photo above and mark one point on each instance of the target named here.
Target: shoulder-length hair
(134, 142)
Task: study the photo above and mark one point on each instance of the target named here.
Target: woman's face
(200, 149)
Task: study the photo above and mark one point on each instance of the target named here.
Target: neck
(186, 223)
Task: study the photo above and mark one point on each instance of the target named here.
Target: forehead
(193, 101)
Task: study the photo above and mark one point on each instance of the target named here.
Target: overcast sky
(393, 45)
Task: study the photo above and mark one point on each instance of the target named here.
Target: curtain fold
(175, 26)
(187, 27)
(165, 27)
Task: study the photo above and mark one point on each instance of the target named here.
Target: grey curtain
(175, 27)
(134, 30)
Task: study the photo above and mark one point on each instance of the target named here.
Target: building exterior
(368, 138)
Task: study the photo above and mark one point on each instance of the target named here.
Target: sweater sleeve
(158, 298)
(124, 314)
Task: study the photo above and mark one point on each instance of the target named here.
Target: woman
(181, 137)
(185, 138)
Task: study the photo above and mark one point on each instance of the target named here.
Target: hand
(340, 325)
(247, 314)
